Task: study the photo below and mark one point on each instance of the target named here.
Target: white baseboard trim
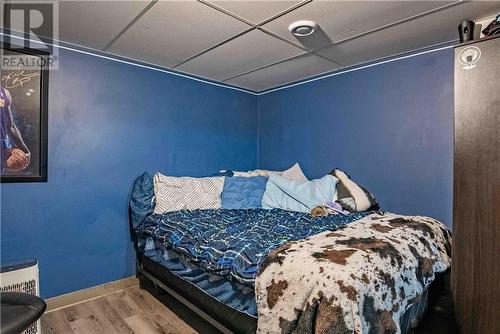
(94, 292)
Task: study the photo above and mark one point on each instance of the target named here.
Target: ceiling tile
(298, 68)
(95, 23)
(172, 31)
(426, 31)
(252, 50)
(338, 20)
(255, 11)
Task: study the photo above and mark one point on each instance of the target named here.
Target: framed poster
(23, 116)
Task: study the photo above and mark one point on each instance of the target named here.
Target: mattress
(237, 296)
(224, 290)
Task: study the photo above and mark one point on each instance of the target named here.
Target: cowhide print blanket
(359, 279)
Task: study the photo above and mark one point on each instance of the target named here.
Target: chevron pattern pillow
(187, 193)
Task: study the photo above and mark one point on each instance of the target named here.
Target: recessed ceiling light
(302, 28)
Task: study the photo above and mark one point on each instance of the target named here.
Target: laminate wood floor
(136, 311)
(132, 311)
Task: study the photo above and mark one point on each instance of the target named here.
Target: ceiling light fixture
(302, 28)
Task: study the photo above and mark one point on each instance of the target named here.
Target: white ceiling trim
(357, 68)
(187, 64)
(131, 62)
(187, 76)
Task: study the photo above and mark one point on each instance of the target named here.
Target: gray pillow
(351, 196)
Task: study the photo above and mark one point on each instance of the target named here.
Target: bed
(268, 271)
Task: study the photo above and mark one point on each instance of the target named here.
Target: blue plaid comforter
(235, 242)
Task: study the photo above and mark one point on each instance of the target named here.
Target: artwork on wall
(23, 116)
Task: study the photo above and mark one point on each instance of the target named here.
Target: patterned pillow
(187, 193)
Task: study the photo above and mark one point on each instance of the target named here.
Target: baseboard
(94, 292)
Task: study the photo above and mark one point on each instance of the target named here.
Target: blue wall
(389, 126)
(108, 122)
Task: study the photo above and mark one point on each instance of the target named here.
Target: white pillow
(292, 173)
(295, 173)
(187, 193)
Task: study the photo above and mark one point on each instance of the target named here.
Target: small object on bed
(330, 208)
(319, 211)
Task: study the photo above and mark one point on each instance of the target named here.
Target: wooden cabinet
(476, 193)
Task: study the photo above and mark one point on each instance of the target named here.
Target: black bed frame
(224, 318)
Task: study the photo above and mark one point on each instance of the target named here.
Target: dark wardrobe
(476, 193)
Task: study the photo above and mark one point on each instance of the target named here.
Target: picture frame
(24, 103)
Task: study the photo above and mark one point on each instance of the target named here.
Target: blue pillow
(286, 194)
(243, 192)
(142, 199)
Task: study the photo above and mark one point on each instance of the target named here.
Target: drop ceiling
(247, 43)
